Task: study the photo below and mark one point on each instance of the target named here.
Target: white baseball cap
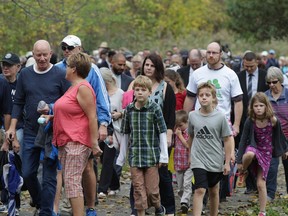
(72, 40)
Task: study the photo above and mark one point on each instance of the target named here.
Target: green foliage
(258, 20)
(138, 24)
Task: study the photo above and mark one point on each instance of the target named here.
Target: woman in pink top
(75, 128)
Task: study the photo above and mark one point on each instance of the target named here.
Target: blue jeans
(42, 195)
(271, 181)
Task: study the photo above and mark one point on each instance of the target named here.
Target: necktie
(249, 89)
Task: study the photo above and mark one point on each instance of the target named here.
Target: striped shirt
(144, 126)
(280, 107)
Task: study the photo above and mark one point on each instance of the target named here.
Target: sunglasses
(67, 47)
(274, 82)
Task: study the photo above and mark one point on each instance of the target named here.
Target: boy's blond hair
(210, 86)
(142, 81)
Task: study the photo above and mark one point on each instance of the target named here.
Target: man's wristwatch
(104, 124)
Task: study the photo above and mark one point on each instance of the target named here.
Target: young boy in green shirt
(144, 126)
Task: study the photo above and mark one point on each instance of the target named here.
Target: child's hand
(16, 146)
(226, 169)
(178, 132)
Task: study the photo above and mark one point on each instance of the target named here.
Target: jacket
(279, 141)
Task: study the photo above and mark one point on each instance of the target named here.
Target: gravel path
(118, 205)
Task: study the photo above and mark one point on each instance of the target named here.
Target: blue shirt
(102, 100)
(33, 87)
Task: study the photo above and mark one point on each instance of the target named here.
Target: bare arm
(87, 103)
(238, 110)
(189, 103)
(228, 147)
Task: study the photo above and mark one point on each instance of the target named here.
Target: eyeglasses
(213, 53)
(274, 82)
(67, 47)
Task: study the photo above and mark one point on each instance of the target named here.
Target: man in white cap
(72, 44)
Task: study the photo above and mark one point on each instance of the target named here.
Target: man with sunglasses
(72, 44)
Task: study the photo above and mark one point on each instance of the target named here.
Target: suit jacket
(125, 81)
(184, 73)
(103, 64)
(261, 87)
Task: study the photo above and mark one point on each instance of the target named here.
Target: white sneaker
(17, 212)
(113, 192)
(101, 195)
(3, 209)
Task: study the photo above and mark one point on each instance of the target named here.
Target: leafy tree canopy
(257, 19)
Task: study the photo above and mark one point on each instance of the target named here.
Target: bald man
(41, 81)
(195, 61)
(228, 89)
(225, 81)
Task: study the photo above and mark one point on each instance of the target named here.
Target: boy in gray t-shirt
(207, 129)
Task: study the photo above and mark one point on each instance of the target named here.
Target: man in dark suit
(195, 61)
(118, 64)
(106, 63)
(258, 85)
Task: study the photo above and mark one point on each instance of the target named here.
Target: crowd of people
(183, 114)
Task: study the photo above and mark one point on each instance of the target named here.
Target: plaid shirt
(181, 153)
(144, 126)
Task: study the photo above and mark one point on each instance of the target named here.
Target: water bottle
(41, 120)
(107, 142)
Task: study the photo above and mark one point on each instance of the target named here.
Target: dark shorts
(205, 179)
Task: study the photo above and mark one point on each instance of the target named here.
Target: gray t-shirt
(208, 130)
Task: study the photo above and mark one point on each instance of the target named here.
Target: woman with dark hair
(174, 79)
(163, 95)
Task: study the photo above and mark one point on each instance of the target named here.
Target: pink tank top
(70, 123)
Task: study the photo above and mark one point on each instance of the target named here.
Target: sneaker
(250, 191)
(101, 195)
(269, 199)
(3, 209)
(17, 213)
(91, 212)
(113, 192)
(184, 208)
(262, 214)
(160, 211)
(241, 180)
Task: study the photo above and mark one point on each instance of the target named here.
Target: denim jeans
(42, 195)
(271, 181)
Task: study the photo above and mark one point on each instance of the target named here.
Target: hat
(128, 55)
(271, 51)
(174, 67)
(11, 58)
(104, 44)
(72, 40)
(264, 53)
